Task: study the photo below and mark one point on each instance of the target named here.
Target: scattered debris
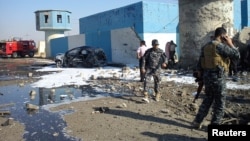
(32, 94)
(7, 105)
(31, 107)
(62, 97)
(55, 134)
(230, 120)
(21, 84)
(123, 105)
(30, 74)
(4, 113)
(101, 110)
(8, 122)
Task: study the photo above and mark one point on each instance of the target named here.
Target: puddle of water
(11, 77)
(41, 124)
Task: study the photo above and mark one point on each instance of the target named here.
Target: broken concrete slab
(4, 113)
(31, 106)
(9, 121)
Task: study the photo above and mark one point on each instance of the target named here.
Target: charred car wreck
(82, 57)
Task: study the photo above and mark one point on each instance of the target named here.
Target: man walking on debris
(153, 60)
(140, 52)
(214, 63)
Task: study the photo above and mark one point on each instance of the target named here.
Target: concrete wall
(127, 16)
(97, 28)
(160, 17)
(237, 15)
(145, 20)
(100, 39)
(41, 49)
(58, 45)
(245, 11)
(198, 20)
(49, 35)
(124, 44)
(241, 14)
(63, 44)
(76, 41)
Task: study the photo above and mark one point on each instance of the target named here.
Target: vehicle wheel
(65, 64)
(14, 55)
(31, 54)
(58, 64)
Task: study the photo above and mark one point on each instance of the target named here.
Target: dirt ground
(127, 118)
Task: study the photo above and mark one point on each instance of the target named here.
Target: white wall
(124, 44)
(163, 38)
(76, 41)
(41, 49)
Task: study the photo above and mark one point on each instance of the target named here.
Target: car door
(72, 58)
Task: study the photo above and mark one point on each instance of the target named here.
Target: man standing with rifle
(214, 63)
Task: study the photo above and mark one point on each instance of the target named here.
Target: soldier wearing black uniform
(153, 60)
(214, 63)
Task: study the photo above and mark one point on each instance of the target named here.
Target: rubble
(8, 122)
(32, 94)
(7, 105)
(31, 107)
(4, 113)
(30, 74)
(179, 98)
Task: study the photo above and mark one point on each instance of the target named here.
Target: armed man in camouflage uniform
(214, 62)
(153, 60)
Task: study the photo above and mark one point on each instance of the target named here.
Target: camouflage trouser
(155, 73)
(215, 95)
(141, 74)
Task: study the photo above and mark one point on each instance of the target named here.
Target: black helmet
(155, 42)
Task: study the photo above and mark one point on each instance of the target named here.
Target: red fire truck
(17, 48)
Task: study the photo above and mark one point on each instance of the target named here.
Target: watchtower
(54, 23)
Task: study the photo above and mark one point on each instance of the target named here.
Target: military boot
(196, 125)
(157, 97)
(145, 97)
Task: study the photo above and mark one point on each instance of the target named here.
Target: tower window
(46, 17)
(68, 19)
(59, 18)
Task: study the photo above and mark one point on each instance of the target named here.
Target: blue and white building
(118, 31)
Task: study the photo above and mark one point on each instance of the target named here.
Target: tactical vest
(212, 59)
(154, 58)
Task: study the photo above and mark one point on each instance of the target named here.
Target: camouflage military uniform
(215, 84)
(152, 61)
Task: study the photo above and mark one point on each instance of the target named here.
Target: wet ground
(15, 92)
(16, 75)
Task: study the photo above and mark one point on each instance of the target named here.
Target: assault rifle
(199, 80)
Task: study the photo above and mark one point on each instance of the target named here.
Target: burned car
(84, 56)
